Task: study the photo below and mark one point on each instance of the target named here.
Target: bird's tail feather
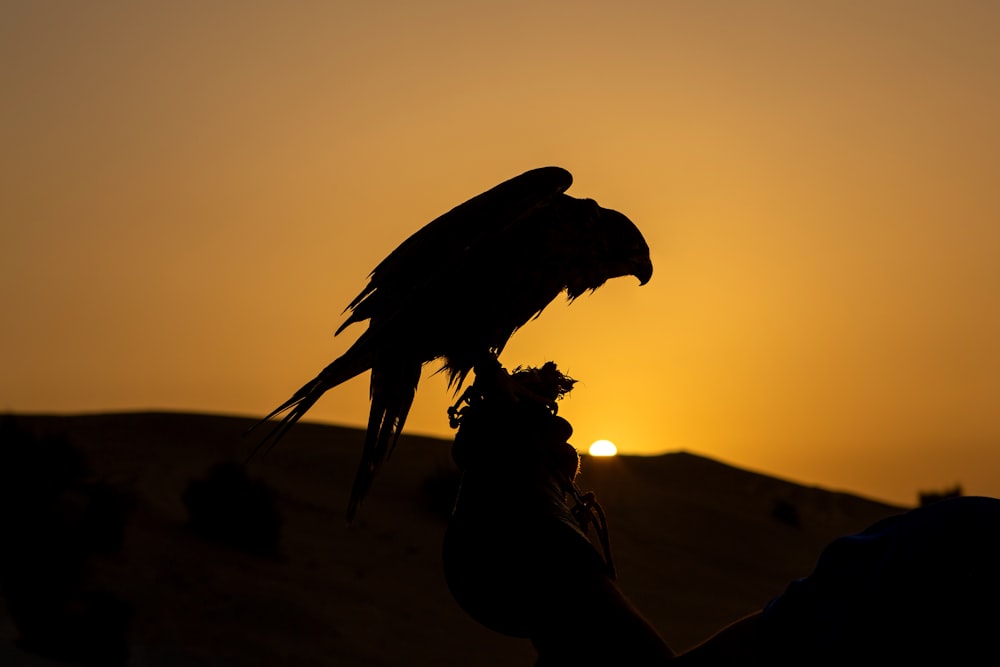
(341, 370)
(392, 392)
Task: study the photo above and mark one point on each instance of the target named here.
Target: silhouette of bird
(458, 288)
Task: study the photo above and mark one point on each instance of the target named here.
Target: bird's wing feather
(352, 363)
(393, 387)
(429, 252)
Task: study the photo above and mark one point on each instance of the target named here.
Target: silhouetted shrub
(105, 515)
(786, 512)
(229, 508)
(929, 497)
(37, 466)
(88, 627)
(53, 520)
(440, 490)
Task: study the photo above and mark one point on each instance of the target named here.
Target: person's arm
(733, 645)
(517, 561)
(515, 557)
(599, 626)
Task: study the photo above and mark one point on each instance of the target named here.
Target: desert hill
(697, 544)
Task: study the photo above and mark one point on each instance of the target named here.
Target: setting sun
(603, 448)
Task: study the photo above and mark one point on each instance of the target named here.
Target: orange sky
(192, 191)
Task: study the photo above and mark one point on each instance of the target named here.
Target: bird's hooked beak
(642, 268)
(628, 245)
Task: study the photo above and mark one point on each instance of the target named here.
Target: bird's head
(614, 247)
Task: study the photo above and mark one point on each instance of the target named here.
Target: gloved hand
(515, 557)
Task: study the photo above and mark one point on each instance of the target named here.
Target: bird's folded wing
(450, 238)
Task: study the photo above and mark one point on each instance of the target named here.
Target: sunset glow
(192, 194)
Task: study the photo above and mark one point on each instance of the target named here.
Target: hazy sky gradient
(192, 192)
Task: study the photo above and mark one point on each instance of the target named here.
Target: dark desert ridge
(697, 544)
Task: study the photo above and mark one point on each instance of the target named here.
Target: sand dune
(697, 543)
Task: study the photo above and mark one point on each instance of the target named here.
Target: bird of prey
(458, 288)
